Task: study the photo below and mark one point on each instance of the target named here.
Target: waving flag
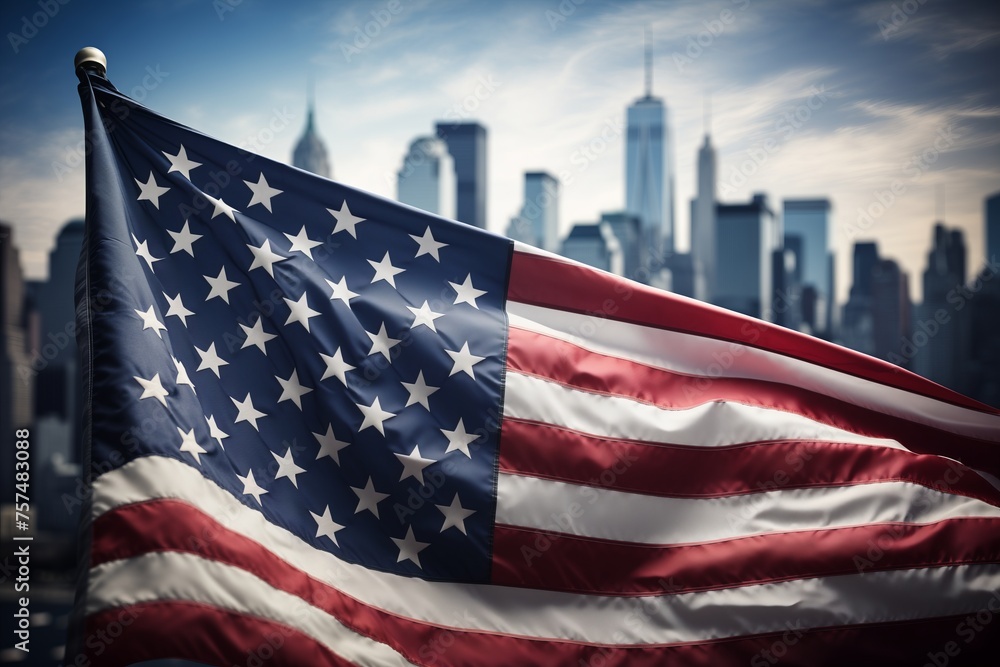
(328, 429)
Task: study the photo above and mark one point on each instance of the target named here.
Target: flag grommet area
(369, 435)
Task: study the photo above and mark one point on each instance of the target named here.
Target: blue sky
(876, 85)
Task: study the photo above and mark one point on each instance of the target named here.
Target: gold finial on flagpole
(92, 58)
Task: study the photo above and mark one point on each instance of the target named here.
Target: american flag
(325, 428)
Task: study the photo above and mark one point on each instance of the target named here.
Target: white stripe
(548, 505)
(707, 357)
(875, 596)
(179, 577)
(712, 424)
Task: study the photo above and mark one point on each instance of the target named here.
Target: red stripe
(574, 366)
(551, 283)
(554, 452)
(191, 631)
(168, 525)
(534, 559)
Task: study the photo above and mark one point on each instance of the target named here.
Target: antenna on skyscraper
(708, 114)
(649, 62)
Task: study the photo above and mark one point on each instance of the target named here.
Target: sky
(888, 107)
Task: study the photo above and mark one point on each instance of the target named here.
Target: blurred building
(891, 313)
(993, 228)
(786, 273)
(746, 237)
(809, 219)
(649, 166)
(310, 151)
(467, 145)
(627, 230)
(16, 379)
(680, 268)
(541, 208)
(857, 329)
(427, 178)
(595, 245)
(942, 316)
(703, 222)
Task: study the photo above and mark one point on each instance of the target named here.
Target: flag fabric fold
(326, 428)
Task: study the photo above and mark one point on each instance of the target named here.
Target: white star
(414, 464)
(292, 390)
(428, 246)
(256, 335)
(459, 439)
(182, 374)
(424, 316)
(177, 308)
(221, 207)
(142, 250)
(180, 163)
(152, 388)
(346, 221)
(384, 270)
(210, 359)
(262, 192)
(419, 391)
(329, 445)
(150, 191)
(340, 291)
(247, 412)
(464, 361)
(374, 416)
(265, 257)
(336, 366)
(220, 286)
(190, 444)
(368, 498)
(302, 243)
(149, 321)
(287, 467)
(184, 239)
(300, 311)
(409, 547)
(251, 487)
(455, 515)
(381, 342)
(216, 432)
(466, 293)
(325, 525)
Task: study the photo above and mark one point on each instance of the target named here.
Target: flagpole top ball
(93, 58)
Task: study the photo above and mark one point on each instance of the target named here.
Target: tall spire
(708, 114)
(310, 101)
(649, 62)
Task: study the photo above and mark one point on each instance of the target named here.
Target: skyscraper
(703, 221)
(541, 208)
(890, 312)
(649, 170)
(15, 381)
(942, 357)
(595, 245)
(427, 178)
(857, 327)
(310, 151)
(467, 146)
(809, 219)
(746, 237)
(626, 229)
(993, 228)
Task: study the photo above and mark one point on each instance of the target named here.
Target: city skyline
(847, 103)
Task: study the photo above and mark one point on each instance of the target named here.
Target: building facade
(746, 237)
(427, 178)
(467, 146)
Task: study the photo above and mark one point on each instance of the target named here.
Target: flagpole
(91, 58)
